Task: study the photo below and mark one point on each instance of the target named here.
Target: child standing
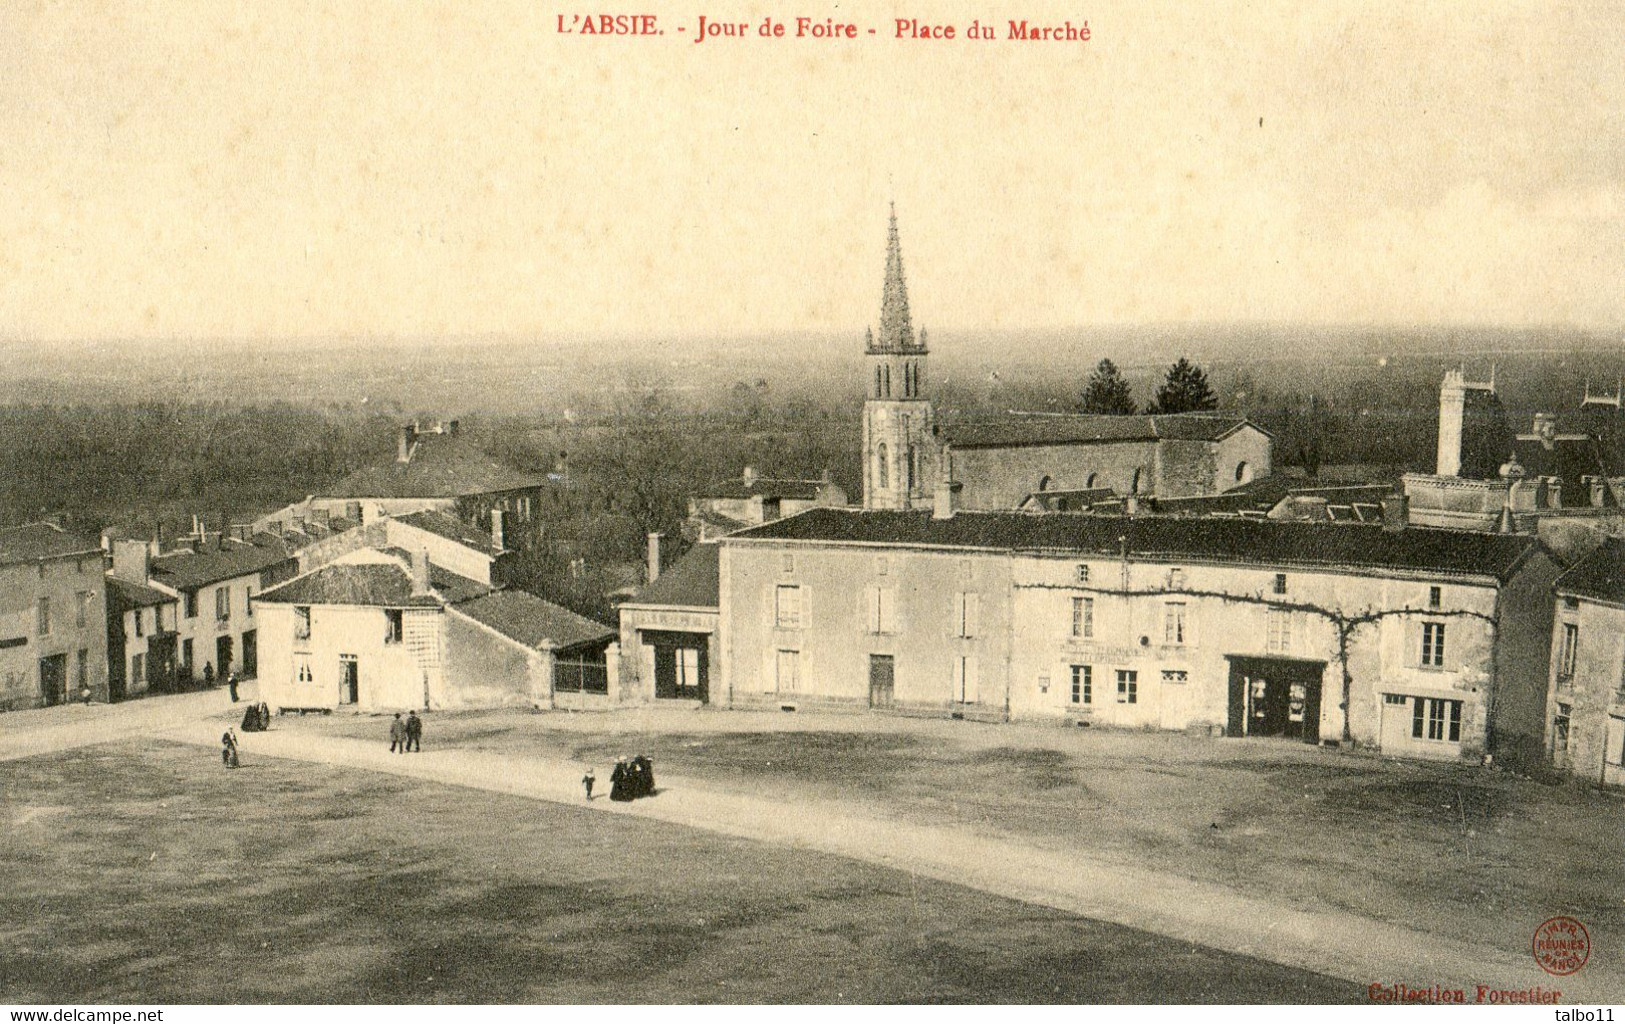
(587, 781)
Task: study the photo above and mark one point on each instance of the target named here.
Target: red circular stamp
(1561, 946)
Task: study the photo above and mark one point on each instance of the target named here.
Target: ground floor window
(1082, 684)
(1436, 719)
(1128, 686)
(1614, 753)
(1560, 730)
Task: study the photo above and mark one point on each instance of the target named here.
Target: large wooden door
(882, 680)
(251, 653)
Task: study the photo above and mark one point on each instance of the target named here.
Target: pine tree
(1108, 392)
(1184, 390)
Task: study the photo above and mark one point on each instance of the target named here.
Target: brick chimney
(499, 536)
(654, 556)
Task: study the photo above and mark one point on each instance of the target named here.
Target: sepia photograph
(969, 502)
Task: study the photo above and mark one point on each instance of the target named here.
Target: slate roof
(125, 594)
(214, 563)
(379, 584)
(691, 583)
(1599, 575)
(1247, 541)
(533, 621)
(451, 528)
(42, 540)
(1042, 429)
(441, 466)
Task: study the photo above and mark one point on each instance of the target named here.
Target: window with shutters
(301, 622)
(1568, 652)
(394, 625)
(787, 606)
(965, 680)
(882, 609)
(966, 608)
(1173, 622)
(43, 616)
(222, 604)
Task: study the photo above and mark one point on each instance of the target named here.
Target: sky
(366, 169)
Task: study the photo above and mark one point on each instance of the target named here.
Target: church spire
(896, 331)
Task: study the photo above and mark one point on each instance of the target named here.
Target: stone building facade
(53, 617)
(1435, 643)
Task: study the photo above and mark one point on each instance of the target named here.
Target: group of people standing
(406, 734)
(630, 779)
(257, 717)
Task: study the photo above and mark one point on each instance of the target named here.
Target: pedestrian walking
(414, 732)
(397, 735)
(587, 781)
(208, 673)
(231, 686)
(620, 782)
(646, 775)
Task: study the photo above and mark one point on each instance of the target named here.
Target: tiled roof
(376, 584)
(381, 584)
(1044, 429)
(135, 595)
(766, 487)
(42, 540)
(226, 560)
(691, 583)
(451, 528)
(441, 466)
(533, 621)
(1599, 575)
(1248, 541)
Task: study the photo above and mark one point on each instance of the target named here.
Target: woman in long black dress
(620, 782)
(646, 775)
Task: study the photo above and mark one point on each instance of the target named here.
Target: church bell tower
(899, 447)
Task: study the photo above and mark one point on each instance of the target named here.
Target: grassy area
(1480, 855)
(147, 873)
